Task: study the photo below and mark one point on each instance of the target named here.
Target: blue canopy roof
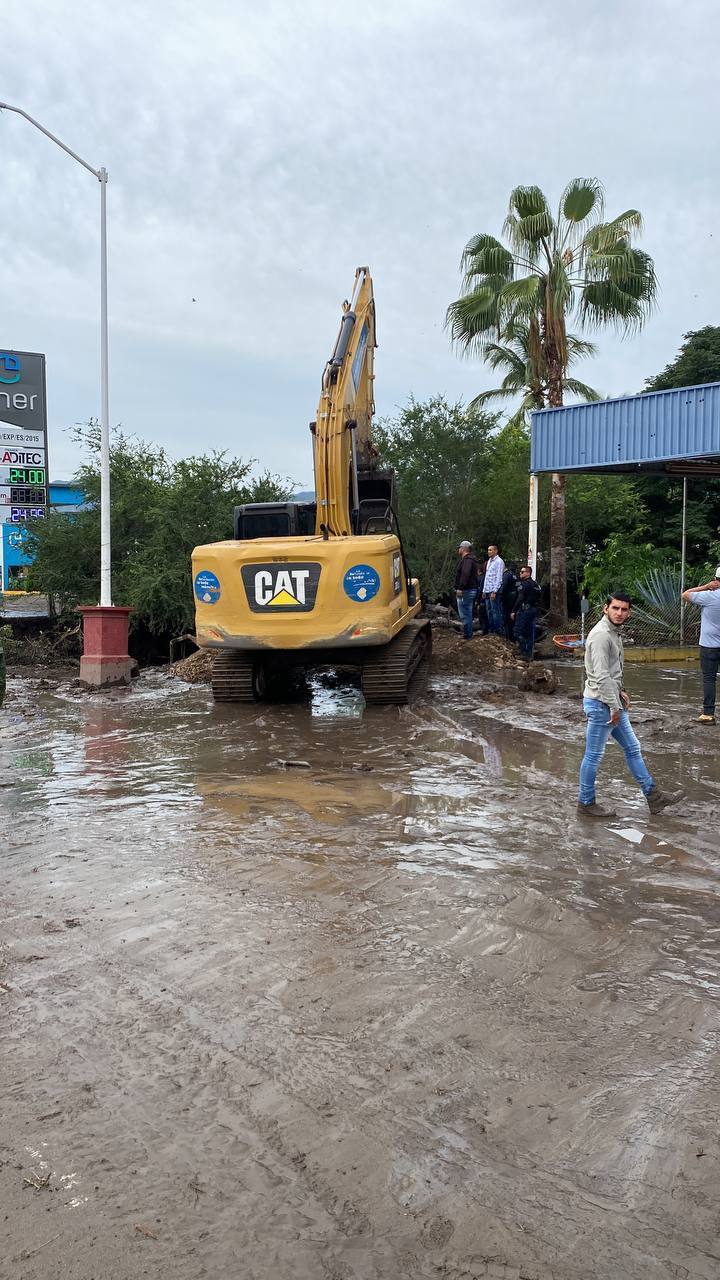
(676, 431)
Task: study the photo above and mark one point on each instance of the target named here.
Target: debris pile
(452, 654)
(197, 669)
(537, 678)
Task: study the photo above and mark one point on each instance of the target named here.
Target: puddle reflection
(478, 790)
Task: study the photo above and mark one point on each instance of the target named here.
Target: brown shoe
(659, 800)
(594, 810)
(705, 719)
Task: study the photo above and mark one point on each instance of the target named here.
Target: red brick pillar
(105, 657)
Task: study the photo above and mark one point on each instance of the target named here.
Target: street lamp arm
(97, 173)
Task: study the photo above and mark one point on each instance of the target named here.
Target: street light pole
(102, 177)
(105, 570)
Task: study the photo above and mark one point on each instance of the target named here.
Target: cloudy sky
(259, 152)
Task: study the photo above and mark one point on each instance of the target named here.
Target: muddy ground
(393, 1014)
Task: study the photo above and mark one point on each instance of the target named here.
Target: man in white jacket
(606, 704)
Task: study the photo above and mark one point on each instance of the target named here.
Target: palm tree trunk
(558, 555)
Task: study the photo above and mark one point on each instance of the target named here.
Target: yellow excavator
(323, 583)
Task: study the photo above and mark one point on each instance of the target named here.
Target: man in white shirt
(494, 571)
(707, 598)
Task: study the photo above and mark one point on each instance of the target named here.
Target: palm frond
(630, 221)
(495, 393)
(473, 318)
(484, 255)
(579, 348)
(580, 198)
(520, 417)
(520, 297)
(624, 307)
(498, 356)
(581, 389)
(529, 220)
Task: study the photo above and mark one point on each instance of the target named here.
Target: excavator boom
(342, 428)
(312, 584)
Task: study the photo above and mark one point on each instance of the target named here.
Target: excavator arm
(305, 585)
(342, 431)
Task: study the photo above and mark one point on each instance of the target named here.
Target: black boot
(594, 810)
(659, 800)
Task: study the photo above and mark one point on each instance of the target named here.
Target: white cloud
(258, 154)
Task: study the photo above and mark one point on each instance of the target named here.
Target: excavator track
(387, 673)
(236, 677)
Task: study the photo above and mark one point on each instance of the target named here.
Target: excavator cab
(274, 520)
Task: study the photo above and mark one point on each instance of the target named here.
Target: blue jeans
(495, 614)
(709, 664)
(466, 608)
(598, 731)
(525, 630)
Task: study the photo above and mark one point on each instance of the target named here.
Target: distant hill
(307, 495)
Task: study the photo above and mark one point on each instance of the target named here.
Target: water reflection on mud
(457, 780)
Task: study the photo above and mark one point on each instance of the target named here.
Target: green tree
(440, 453)
(503, 515)
(622, 563)
(161, 510)
(572, 265)
(596, 504)
(697, 361)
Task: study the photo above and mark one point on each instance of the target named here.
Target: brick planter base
(105, 659)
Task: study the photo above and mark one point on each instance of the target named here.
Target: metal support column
(683, 559)
(533, 523)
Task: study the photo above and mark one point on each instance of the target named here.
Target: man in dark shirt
(466, 587)
(525, 612)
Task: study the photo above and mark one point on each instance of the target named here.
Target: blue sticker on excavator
(361, 583)
(207, 587)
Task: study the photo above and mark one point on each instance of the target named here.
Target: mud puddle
(313, 991)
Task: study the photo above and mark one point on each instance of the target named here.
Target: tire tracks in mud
(212, 1066)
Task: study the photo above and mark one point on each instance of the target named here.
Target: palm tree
(563, 267)
(527, 373)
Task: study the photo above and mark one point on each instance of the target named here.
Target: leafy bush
(625, 563)
(660, 592)
(657, 619)
(160, 510)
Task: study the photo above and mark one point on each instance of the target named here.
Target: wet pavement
(392, 1013)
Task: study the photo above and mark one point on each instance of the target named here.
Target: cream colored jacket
(604, 664)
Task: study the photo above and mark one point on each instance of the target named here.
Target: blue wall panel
(662, 426)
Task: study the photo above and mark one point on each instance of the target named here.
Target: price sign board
(22, 457)
(23, 494)
(23, 475)
(22, 390)
(23, 449)
(17, 438)
(16, 513)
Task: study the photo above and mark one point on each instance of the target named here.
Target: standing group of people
(507, 604)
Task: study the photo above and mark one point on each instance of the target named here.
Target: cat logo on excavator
(281, 587)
